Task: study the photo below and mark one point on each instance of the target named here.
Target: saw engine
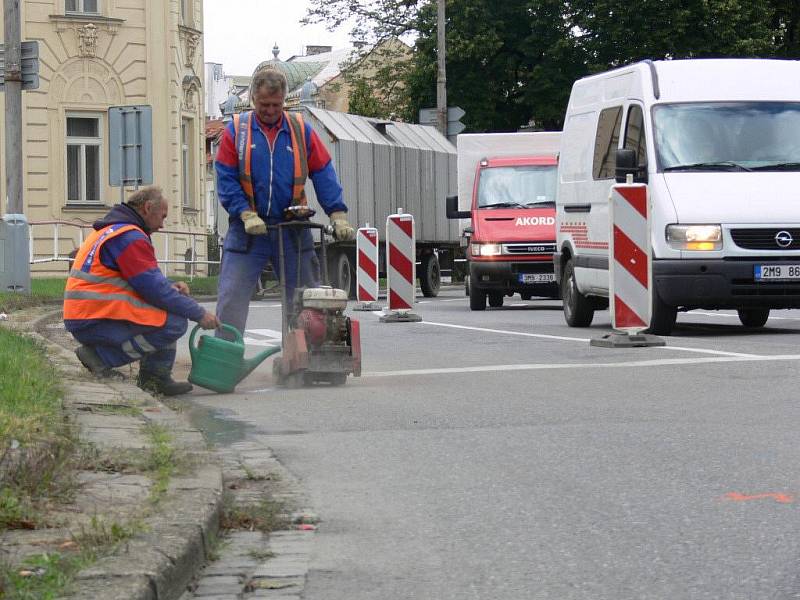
(322, 316)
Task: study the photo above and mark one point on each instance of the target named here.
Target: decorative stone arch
(79, 84)
(81, 81)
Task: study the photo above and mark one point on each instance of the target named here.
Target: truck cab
(512, 235)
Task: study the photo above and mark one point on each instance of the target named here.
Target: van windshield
(728, 136)
(517, 186)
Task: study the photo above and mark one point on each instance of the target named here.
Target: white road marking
(270, 333)
(519, 304)
(256, 305)
(584, 340)
(543, 367)
(254, 342)
(454, 300)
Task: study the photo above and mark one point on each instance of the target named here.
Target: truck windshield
(517, 186)
(728, 136)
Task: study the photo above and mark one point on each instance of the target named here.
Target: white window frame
(79, 10)
(83, 142)
(187, 132)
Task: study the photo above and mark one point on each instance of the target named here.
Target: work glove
(253, 223)
(342, 230)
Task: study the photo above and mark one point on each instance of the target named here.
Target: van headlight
(486, 249)
(695, 237)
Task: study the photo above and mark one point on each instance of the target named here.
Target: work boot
(162, 384)
(92, 361)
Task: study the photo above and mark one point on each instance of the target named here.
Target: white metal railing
(166, 234)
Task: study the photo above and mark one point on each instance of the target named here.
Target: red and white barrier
(631, 271)
(367, 268)
(401, 271)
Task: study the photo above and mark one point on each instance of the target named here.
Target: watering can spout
(251, 363)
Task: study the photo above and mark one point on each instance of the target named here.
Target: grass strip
(50, 290)
(30, 391)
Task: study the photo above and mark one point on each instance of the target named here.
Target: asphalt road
(497, 455)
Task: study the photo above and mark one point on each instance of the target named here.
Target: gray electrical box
(15, 275)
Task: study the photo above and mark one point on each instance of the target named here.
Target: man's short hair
(271, 81)
(147, 194)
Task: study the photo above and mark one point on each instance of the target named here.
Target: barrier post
(367, 269)
(401, 271)
(630, 268)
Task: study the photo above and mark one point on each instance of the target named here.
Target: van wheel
(477, 298)
(663, 318)
(578, 309)
(753, 317)
(495, 299)
(430, 280)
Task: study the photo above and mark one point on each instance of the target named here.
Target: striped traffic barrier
(367, 269)
(401, 268)
(630, 267)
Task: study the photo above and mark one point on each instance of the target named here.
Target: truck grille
(531, 248)
(766, 239)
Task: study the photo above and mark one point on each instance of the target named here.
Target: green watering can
(218, 364)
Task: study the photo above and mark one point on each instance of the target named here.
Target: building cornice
(64, 22)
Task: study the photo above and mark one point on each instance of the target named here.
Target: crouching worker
(119, 305)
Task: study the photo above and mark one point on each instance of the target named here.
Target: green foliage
(362, 100)
(513, 63)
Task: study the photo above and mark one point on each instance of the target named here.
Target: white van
(718, 143)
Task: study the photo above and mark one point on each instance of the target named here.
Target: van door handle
(577, 208)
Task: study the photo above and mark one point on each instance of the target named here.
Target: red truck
(511, 181)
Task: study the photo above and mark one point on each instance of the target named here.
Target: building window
(84, 149)
(186, 163)
(82, 6)
(186, 12)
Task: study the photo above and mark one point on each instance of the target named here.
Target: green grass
(43, 291)
(200, 286)
(30, 392)
(49, 575)
(50, 290)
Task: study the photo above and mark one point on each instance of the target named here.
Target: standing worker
(262, 164)
(119, 305)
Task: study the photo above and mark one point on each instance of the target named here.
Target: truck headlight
(695, 237)
(485, 249)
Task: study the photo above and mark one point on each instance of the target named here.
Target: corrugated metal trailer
(385, 166)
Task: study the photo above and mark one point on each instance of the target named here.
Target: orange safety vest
(243, 134)
(94, 291)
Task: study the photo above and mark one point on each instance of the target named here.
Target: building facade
(95, 54)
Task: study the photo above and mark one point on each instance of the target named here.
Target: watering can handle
(229, 328)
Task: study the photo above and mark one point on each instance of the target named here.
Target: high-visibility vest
(94, 291)
(243, 134)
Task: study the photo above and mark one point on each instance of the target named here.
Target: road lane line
(585, 340)
(543, 366)
(270, 333)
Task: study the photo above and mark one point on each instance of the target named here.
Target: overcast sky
(241, 33)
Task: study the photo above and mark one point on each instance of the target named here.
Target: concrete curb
(160, 563)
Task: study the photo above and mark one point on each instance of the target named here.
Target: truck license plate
(537, 277)
(776, 272)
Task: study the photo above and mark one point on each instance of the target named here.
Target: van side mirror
(627, 164)
(451, 208)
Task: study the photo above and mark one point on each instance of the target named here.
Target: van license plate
(537, 277)
(776, 272)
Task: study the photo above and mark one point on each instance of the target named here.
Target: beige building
(95, 54)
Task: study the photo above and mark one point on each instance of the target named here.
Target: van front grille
(767, 238)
